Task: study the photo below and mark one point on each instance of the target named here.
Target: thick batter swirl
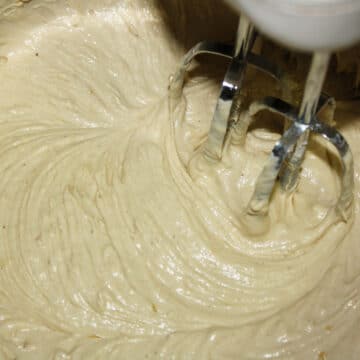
(117, 240)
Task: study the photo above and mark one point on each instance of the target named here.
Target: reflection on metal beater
(287, 156)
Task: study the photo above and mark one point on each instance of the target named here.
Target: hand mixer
(316, 26)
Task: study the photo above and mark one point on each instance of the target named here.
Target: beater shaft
(230, 91)
(308, 110)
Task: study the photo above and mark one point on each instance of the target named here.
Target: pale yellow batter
(117, 241)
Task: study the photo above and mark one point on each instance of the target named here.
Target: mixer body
(308, 25)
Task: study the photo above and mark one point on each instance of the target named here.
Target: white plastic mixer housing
(309, 25)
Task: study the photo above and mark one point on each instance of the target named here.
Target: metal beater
(285, 160)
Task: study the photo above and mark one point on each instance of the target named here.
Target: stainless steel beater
(285, 160)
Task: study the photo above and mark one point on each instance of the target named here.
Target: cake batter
(118, 240)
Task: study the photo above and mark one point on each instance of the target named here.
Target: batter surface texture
(117, 239)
